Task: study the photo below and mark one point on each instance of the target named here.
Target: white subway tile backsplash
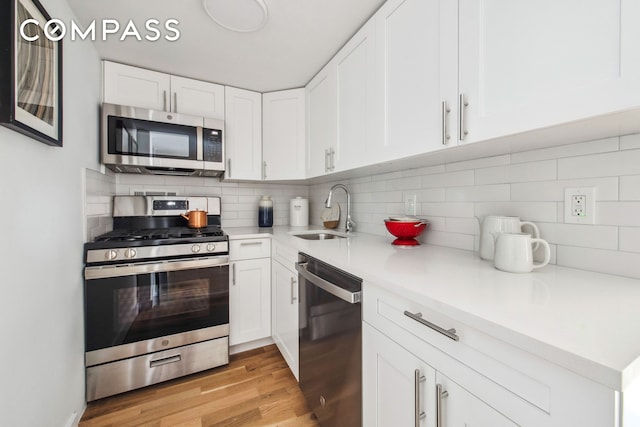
(527, 211)
(588, 236)
(525, 172)
(571, 150)
(630, 142)
(630, 187)
(478, 163)
(446, 209)
(607, 164)
(428, 170)
(449, 179)
(430, 195)
(618, 213)
(479, 193)
(462, 225)
(545, 191)
(414, 182)
(630, 239)
(452, 240)
(600, 260)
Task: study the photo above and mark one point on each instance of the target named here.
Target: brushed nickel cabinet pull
(228, 168)
(293, 295)
(175, 102)
(449, 333)
(440, 394)
(418, 414)
(164, 101)
(445, 132)
(462, 106)
(233, 274)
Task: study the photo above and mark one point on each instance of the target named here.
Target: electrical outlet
(579, 205)
(410, 204)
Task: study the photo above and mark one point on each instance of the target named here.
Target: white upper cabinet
(197, 98)
(284, 134)
(321, 121)
(355, 65)
(532, 64)
(136, 87)
(416, 66)
(243, 127)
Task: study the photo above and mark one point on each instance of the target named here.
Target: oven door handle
(106, 271)
(333, 289)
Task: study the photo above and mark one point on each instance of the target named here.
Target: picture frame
(30, 71)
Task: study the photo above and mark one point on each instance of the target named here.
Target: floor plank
(256, 388)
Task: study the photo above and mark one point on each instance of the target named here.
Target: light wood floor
(255, 389)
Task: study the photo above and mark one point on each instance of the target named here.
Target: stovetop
(157, 236)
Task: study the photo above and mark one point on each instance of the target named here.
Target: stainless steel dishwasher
(330, 337)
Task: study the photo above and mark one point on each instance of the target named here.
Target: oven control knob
(111, 254)
(129, 253)
(211, 247)
(195, 248)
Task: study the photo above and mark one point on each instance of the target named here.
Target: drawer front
(249, 248)
(117, 377)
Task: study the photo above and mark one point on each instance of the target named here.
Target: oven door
(140, 308)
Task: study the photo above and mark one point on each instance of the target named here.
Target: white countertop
(586, 322)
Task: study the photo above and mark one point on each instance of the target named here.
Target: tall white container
(299, 212)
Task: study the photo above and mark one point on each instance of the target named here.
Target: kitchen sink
(319, 236)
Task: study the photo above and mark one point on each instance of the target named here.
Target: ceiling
(298, 40)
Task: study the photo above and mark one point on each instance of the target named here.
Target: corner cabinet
(284, 134)
(138, 87)
(284, 304)
(243, 140)
(416, 375)
(249, 290)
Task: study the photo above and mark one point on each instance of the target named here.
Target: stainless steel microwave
(138, 140)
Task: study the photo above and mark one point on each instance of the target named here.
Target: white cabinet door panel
(322, 119)
(250, 300)
(197, 98)
(531, 64)
(285, 314)
(243, 125)
(136, 87)
(283, 134)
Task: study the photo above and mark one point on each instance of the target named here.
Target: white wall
(529, 184)
(41, 299)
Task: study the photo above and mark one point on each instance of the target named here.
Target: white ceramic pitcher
(514, 253)
(492, 225)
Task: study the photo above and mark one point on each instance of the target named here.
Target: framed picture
(30, 71)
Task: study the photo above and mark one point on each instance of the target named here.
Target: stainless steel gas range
(156, 295)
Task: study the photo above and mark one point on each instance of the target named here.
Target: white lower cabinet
(249, 291)
(284, 305)
(475, 381)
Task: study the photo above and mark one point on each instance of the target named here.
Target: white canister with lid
(299, 212)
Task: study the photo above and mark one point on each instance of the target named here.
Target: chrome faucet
(349, 224)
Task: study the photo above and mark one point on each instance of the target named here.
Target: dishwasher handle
(335, 290)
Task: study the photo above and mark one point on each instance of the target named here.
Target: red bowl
(405, 231)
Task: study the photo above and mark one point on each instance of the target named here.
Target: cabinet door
(283, 134)
(249, 300)
(285, 314)
(322, 120)
(355, 97)
(136, 87)
(416, 43)
(197, 98)
(243, 125)
(390, 386)
(459, 408)
(531, 64)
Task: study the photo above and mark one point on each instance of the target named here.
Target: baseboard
(239, 348)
